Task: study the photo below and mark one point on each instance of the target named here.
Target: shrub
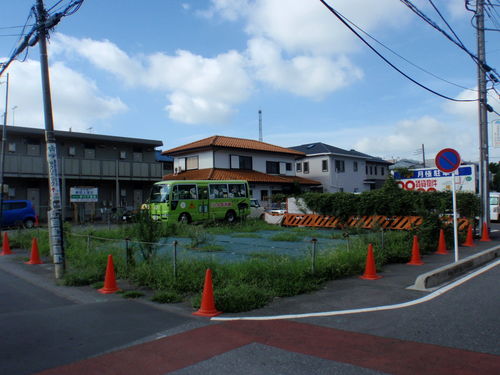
(132, 294)
(238, 298)
(167, 296)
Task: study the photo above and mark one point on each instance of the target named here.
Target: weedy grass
(238, 287)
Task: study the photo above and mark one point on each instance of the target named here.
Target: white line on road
(426, 298)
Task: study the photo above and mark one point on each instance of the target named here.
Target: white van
(494, 206)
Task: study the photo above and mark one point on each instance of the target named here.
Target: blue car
(18, 213)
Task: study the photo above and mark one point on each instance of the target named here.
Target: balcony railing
(36, 166)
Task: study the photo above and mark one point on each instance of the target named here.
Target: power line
(456, 41)
(31, 38)
(405, 59)
(341, 18)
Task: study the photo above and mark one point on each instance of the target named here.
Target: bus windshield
(160, 193)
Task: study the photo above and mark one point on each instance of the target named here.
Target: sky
(182, 70)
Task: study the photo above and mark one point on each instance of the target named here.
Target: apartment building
(121, 169)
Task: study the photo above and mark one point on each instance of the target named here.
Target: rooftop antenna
(260, 126)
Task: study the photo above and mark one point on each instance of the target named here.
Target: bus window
(182, 192)
(237, 191)
(218, 191)
(160, 193)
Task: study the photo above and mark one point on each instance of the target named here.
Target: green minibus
(198, 200)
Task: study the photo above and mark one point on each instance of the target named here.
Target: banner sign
(83, 194)
(432, 179)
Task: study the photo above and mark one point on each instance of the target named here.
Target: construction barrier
(366, 222)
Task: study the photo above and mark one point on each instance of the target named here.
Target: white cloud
(201, 90)
(408, 135)
(76, 101)
(399, 140)
(309, 76)
(464, 110)
(305, 26)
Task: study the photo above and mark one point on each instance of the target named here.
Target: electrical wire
(341, 18)
(405, 59)
(31, 38)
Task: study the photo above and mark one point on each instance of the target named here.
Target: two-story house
(269, 169)
(122, 169)
(341, 170)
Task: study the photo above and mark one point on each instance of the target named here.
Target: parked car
(256, 210)
(18, 213)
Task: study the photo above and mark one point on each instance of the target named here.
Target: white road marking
(417, 301)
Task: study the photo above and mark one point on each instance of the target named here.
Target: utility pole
(423, 154)
(54, 214)
(4, 138)
(484, 190)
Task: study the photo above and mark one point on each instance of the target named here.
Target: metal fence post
(346, 236)
(88, 243)
(382, 235)
(313, 260)
(175, 259)
(128, 253)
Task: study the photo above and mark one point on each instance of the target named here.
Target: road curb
(449, 272)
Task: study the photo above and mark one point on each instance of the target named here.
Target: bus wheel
(230, 216)
(184, 218)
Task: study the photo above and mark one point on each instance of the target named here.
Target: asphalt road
(454, 334)
(53, 330)
(41, 330)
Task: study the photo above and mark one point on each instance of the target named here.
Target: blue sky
(180, 70)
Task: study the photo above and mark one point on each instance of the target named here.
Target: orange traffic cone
(207, 307)
(442, 243)
(5, 245)
(110, 280)
(469, 240)
(35, 255)
(370, 268)
(415, 253)
(485, 235)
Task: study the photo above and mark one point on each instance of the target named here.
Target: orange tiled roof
(218, 141)
(238, 174)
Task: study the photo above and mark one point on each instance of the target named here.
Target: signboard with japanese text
(432, 179)
(83, 194)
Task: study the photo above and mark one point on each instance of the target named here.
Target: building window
(339, 166)
(191, 162)
(371, 169)
(137, 154)
(71, 151)
(366, 169)
(298, 167)
(246, 163)
(123, 155)
(288, 166)
(382, 171)
(89, 151)
(33, 148)
(355, 166)
(375, 170)
(12, 147)
(272, 167)
(324, 165)
(306, 167)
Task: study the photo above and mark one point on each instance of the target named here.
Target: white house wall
(222, 160)
(333, 181)
(205, 160)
